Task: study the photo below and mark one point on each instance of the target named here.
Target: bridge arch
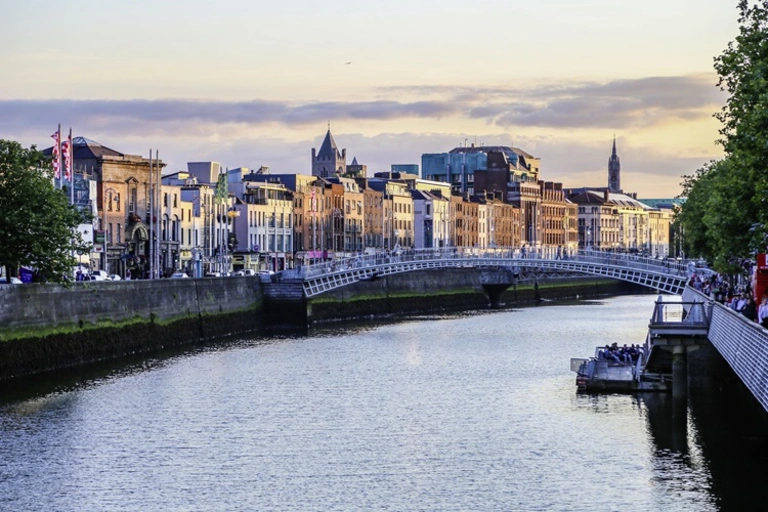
(664, 276)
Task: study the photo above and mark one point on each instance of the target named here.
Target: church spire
(614, 170)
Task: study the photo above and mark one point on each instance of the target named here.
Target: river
(469, 412)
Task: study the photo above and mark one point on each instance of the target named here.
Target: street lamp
(107, 232)
(232, 214)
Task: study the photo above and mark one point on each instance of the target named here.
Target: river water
(469, 412)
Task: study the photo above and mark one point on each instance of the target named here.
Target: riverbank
(48, 327)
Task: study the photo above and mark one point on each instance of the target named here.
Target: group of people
(738, 299)
(620, 356)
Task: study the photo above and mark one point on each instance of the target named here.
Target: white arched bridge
(664, 275)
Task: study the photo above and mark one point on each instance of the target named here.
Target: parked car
(213, 274)
(179, 275)
(98, 275)
(11, 280)
(114, 277)
(249, 272)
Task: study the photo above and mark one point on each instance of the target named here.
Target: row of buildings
(208, 218)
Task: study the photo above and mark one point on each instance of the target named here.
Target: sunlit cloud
(615, 104)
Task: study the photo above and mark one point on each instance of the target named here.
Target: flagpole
(152, 234)
(58, 143)
(71, 168)
(158, 204)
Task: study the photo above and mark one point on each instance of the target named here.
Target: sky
(251, 82)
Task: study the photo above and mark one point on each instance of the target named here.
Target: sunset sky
(249, 82)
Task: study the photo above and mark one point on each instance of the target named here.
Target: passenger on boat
(610, 354)
(626, 355)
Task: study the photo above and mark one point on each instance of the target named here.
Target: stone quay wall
(44, 327)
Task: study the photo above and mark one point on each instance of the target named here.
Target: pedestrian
(762, 312)
(750, 310)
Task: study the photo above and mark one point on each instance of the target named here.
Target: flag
(66, 153)
(55, 153)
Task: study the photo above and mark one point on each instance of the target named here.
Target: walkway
(743, 343)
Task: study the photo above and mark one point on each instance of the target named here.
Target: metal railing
(663, 275)
(674, 267)
(742, 343)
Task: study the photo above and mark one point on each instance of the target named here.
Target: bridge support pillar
(494, 293)
(679, 372)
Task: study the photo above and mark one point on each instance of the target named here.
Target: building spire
(614, 170)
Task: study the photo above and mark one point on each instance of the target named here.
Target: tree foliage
(38, 226)
(725, 215)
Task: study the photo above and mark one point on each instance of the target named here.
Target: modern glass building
(458, 166)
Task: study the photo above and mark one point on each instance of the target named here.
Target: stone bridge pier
(284, 302)
(496, 281)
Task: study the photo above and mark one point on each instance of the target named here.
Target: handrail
(677, 268)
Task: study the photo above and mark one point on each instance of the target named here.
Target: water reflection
(456, 412)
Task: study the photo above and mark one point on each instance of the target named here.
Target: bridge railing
(363, 260)
(693, 313)
(742, 342)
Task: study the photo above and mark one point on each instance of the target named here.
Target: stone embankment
(45, 327)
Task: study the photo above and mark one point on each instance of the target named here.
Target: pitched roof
(329, 148)
(85, 148)
(588, 197)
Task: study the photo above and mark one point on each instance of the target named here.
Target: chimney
(605, 194)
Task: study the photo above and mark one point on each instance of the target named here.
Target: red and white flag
(55, 153)
(66, 152)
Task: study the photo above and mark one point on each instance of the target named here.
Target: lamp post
(107, 232)
(233, 214)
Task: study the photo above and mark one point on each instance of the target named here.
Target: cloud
(555, 121)
(615, 104)
(130, 115)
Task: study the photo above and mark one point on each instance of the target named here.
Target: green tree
(38, 226)
(727, 201)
